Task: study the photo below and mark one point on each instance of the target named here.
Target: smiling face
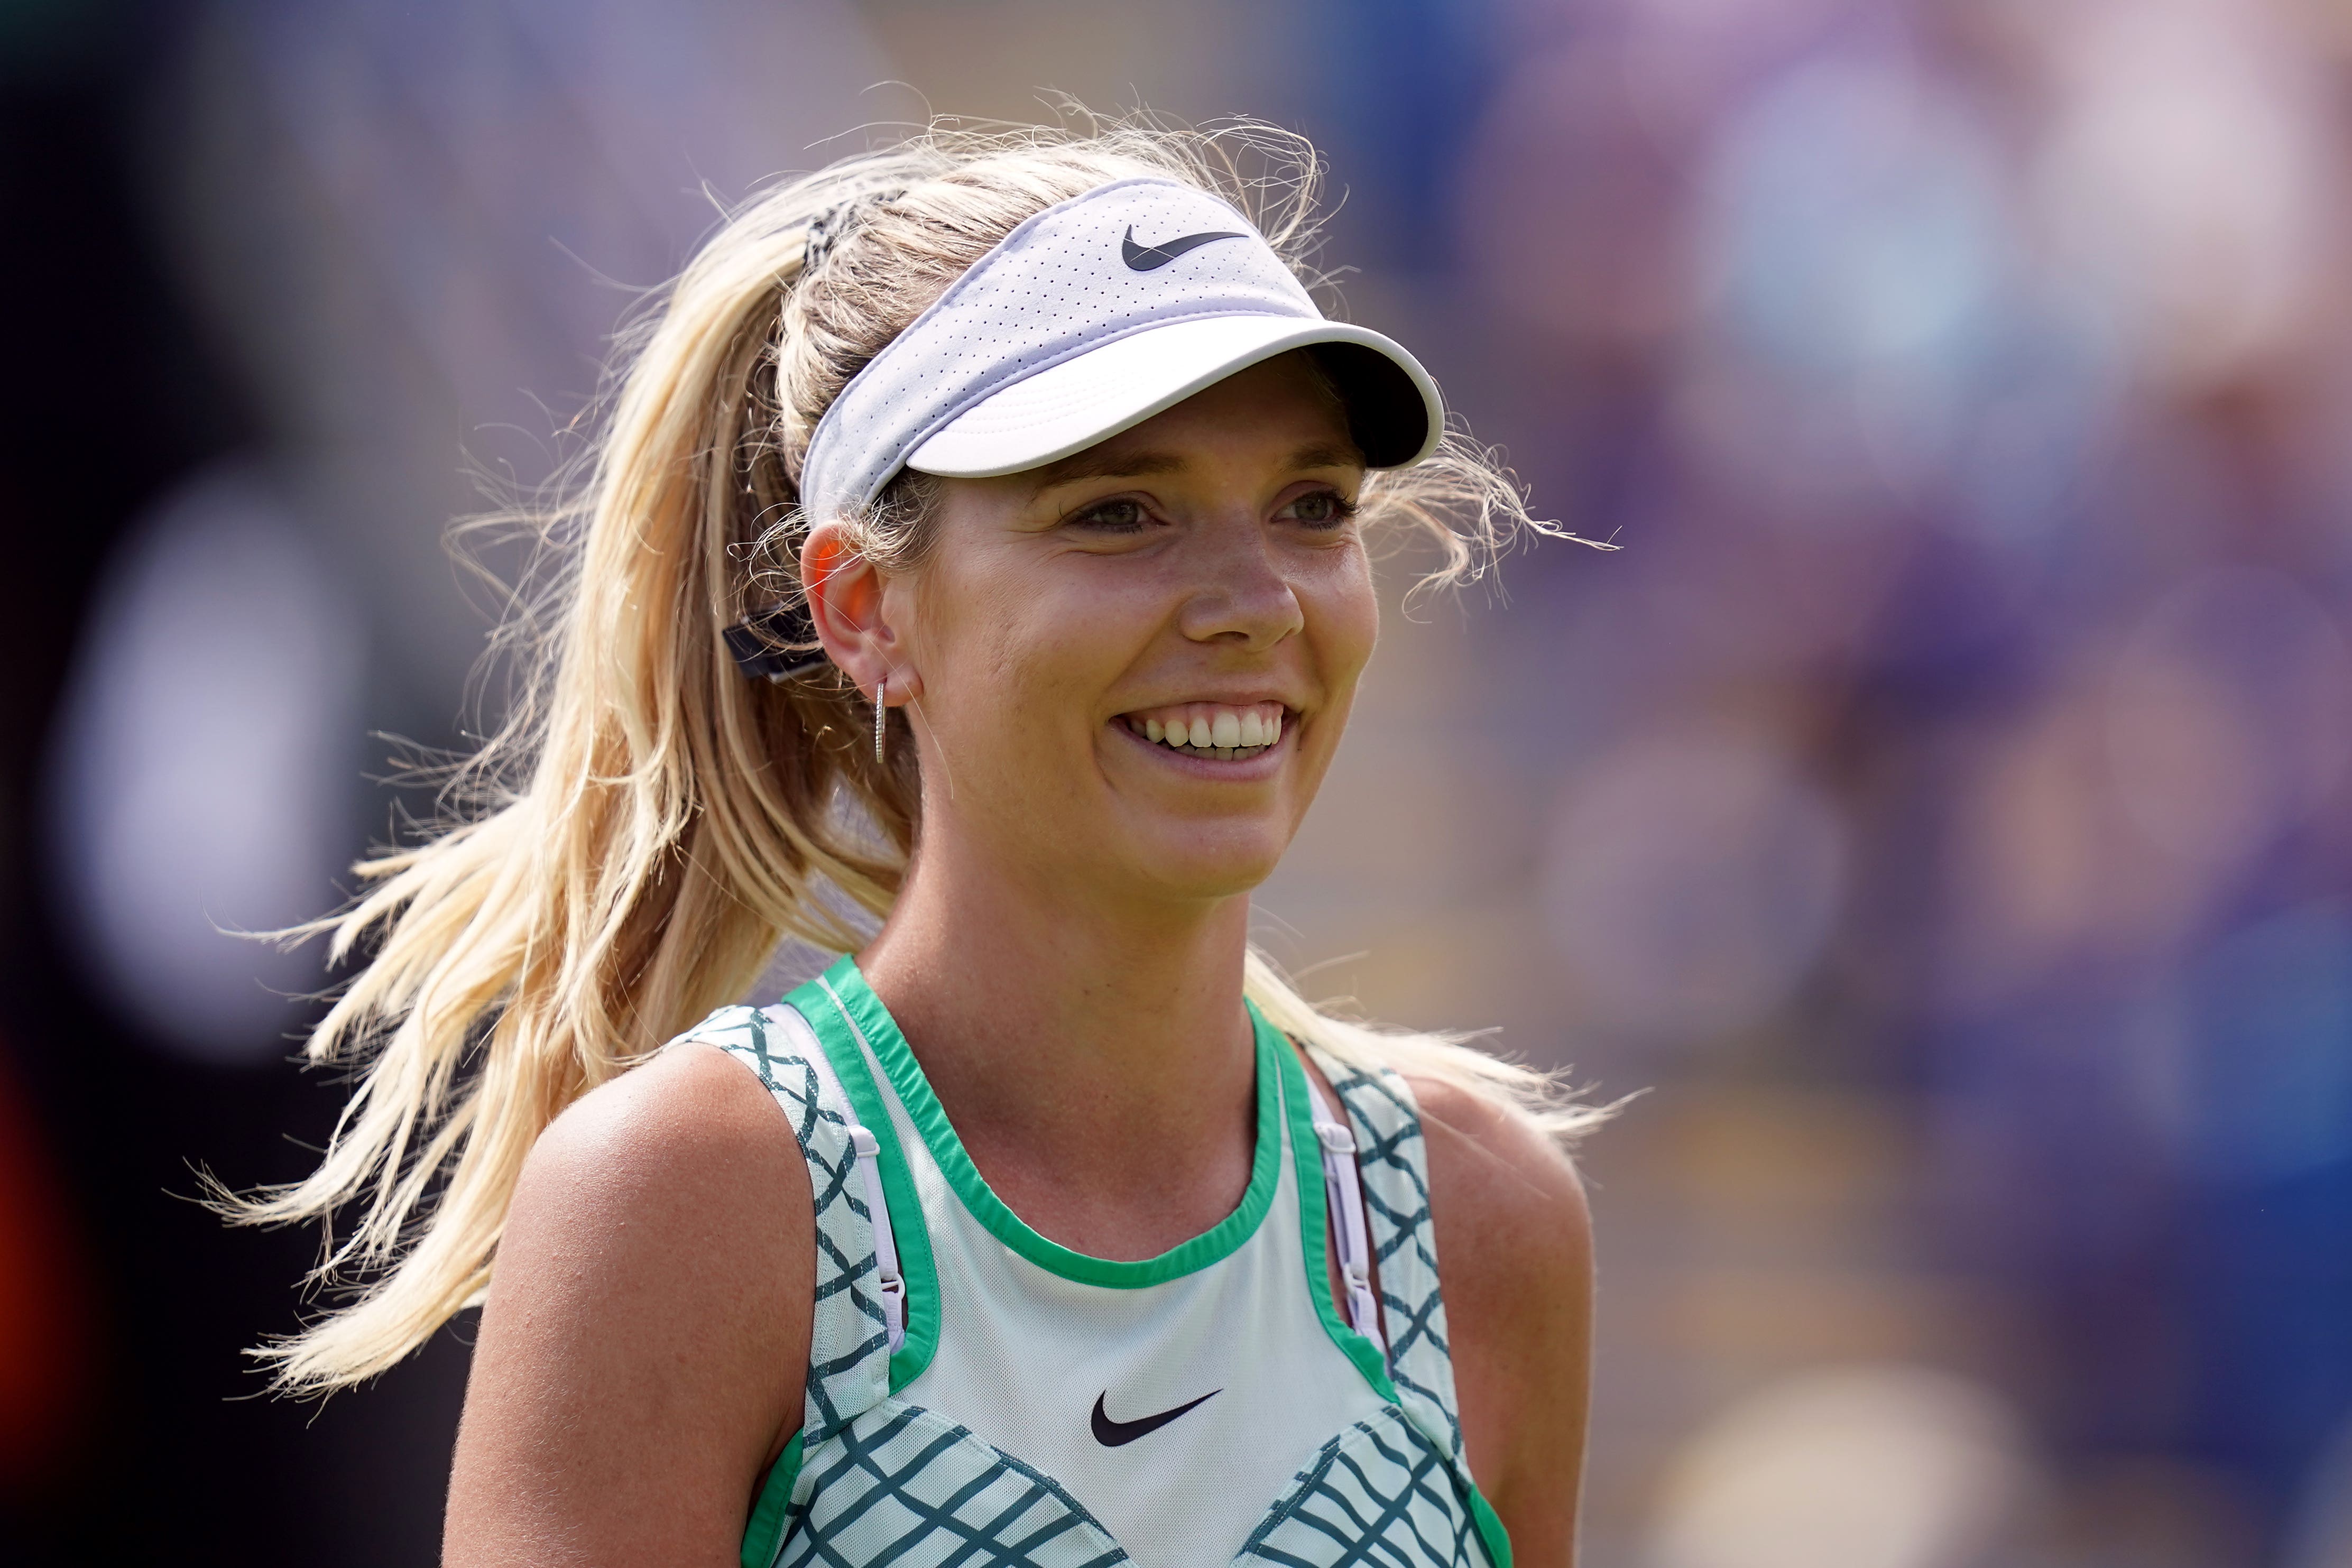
(1135, 664)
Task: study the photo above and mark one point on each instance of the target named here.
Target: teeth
(1213, 729)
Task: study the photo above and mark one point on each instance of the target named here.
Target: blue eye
(1320, 508)
(1125, 515)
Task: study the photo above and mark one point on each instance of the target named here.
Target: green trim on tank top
(763, 1535)
(922, 1107)
(838, 1032)
(1491, 1533)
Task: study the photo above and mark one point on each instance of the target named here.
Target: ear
(846, 605)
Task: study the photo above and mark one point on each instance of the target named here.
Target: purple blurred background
(1938, 804)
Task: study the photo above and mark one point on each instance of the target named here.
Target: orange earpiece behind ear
(828, 554)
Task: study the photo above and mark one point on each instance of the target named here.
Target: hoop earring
(881, 692)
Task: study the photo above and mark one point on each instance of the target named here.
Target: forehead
(1282, 412)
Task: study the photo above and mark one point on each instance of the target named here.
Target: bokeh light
(200, 787)
(1849, 1467)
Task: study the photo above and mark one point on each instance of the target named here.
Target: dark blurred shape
(47, 1392)
(162, 1452)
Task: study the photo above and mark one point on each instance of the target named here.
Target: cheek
(1343, 620)
(1038, 647)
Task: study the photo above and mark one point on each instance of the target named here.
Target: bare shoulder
(1499, 1175)
(682, 1125)
(676, 1189)
(640, 1353)
(687, 1159)
(1514, 1259)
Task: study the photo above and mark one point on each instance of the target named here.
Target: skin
(1066, 959)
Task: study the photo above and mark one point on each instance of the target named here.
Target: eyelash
(1342, 508)
(1091, 516)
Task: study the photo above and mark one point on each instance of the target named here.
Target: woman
(978, 534)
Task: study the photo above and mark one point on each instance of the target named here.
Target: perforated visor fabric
(1169, 288)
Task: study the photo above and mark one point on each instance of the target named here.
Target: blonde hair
(647, 823)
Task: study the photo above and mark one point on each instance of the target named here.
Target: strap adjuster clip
(1336, 1137)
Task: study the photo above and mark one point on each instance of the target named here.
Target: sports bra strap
(1392, 1160)
(889, 1281)
(1342, 1186)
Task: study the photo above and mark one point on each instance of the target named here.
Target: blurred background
(1938, 804)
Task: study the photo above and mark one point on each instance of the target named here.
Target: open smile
(1205, 730)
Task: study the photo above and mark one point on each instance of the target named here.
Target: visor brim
(1394, 412)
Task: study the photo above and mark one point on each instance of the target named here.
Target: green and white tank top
(979, 1397)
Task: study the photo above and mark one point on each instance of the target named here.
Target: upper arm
(1515, 1248)
(643, 1348)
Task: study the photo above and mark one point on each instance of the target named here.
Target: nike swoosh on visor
(1148, 258)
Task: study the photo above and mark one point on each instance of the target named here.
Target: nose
(1240, 594)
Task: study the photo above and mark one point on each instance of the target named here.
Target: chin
(1195, 870)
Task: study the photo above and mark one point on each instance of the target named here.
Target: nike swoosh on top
(1113, 1433)
(1148, 258)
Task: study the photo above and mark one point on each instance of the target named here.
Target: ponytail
(648, 823)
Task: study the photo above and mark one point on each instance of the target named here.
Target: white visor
(1087, 319)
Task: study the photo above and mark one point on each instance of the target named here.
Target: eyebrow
(1095, 464)
(1327, 454)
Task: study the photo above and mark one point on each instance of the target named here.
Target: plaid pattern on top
(849, 1347)
(884, 1481)
(1380, 1493)
(902, 1485)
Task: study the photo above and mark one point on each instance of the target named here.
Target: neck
(1093, 1043)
